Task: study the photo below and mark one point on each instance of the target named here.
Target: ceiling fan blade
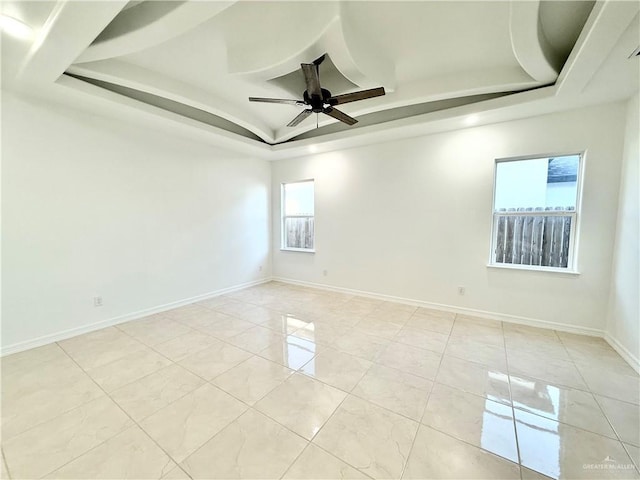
(301, 116)
(276, 100)
(352, 97)
(312, 79)
(320, 59)
(338, 115)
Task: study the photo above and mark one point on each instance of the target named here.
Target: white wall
(93, 206)
(623, 322)
(412, 218)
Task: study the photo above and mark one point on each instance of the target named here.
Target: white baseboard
(531, 322)
(73, 332)
(46, 339)
(631, 359)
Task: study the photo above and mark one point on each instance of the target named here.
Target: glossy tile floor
(278, 381)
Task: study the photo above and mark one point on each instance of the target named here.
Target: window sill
(533, 268)
(303, 250)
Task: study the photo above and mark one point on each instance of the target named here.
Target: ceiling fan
(320, 100)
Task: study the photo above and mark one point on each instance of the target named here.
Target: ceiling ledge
(115, 105)
(283, 45)
(460, 84)
(512, 107)
(149, 24)
(138, 78)
(491, 111)
(530, 46)
(54, 49)
(331, 32)
(354, 57)
(522, 105)
(604, 27)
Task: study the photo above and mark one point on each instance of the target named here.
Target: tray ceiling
(202, 60)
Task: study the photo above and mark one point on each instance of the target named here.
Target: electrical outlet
(260, 268)
(324, 272)
(97, 301)
(461, 290)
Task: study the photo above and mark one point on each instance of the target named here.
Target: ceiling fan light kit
(320, 100)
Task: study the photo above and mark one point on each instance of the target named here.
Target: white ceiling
(436, 59)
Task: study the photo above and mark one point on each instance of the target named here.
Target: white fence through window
(534, 236)
(298, 232)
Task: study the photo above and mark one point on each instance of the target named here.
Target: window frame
(283, 217)
(572, 260)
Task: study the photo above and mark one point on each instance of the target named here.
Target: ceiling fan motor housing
(316, 102)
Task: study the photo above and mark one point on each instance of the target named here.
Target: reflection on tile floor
(279, 381)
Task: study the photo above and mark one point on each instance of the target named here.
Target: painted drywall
(412, 218)
(93, 206)
(623, 321)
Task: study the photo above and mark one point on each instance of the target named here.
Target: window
(297, 216)
(535, 212)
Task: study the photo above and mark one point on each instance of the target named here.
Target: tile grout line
(331, 416)
(448, 434)
(513, 410)
(415, 437)
(577, 366)
(583, 429)
(295, 459)
(123, 430)
(171, 363)
(219, 339)
(6, 465)
(209, 383)
(433, 385)
(252, 407)
(589, 391)
(67, 355)
(635, 462)
(320, 430)
(5, 440)
(594, 395)
(615, 431)
(344, 461)
(310, 443)
(294, 371)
